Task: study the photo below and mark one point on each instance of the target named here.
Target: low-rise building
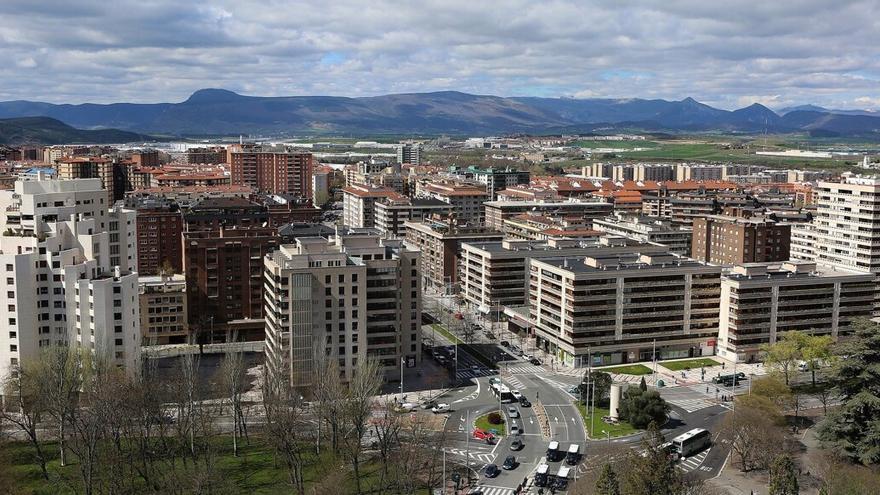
(498, 211)
(164, 316)
(392, 212)
(759, 301)
(467, 200)
(358, 204)
(624, 307)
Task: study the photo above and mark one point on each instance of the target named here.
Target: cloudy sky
(774, 52)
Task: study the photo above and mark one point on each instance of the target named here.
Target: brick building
(272, 172)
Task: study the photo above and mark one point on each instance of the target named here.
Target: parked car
(440, 408)
(512, 412)
(509, 463)
(492, 471)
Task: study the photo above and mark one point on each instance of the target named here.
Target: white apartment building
(495, 274)
(353, 296)
(391, 213)
(358, 204)
(466, 200)
(69, 279)
(847, 224)
(699, 172)
(759, 301)
(674, 236)
(803, 242)
(320, 187)
(619, 308)
(409, 153)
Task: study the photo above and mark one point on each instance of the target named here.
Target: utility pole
(654, 361)
(467, 443)
(402, 362)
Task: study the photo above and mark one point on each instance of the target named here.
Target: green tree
(784, 354)
(816, 349)
(607, 483)
(643, 386)
(602, 383)
(852, 429)
(651, 472)
(783, 479)
(640, 408)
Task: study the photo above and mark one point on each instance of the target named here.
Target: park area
(598, 429)
(629, 369)
(484, 423)
(689, 364)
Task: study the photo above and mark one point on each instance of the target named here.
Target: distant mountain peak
(212, 95)
(690, 101)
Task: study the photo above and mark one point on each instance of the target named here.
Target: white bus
(553, 452)
(691, 442)
(502, 393)
(541, 475)
(561, 481)
(573, 455)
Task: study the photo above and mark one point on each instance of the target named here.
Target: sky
(778, 53)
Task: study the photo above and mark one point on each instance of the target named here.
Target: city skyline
(777, 55)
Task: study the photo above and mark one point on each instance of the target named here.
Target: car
(574, 390)
(428, 404)
(408, 406)
(490, 335)
(523, 402)
(512, 412)
(516, 444)
(474, 367)
(509, 463)
(515, 429)
(482, 434)
(440, 408)
(494, 380)
(504, 343)
(516, 394)
(492, 471)
(535, 361)
(527, 357)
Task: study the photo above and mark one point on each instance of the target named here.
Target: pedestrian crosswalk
(493, 490)
(691, 405)
(468, 374)
(514, 382)
(524, 369)
(692, 463)
(476, 456)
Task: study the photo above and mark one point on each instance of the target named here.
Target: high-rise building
(622, 308)
(391, 213)
(223, 269)
(159, 229)
(272, 172)
(732, 240)
(348, 298)
(647, 229)
(163, 305)
(358, 204)
(440, 245)
(699, 172)
(495, 274)
(466, 200)
(410, 153)
(499, 179)
(145, 158)
(759, 301)
(320, 186)
(214, 155)
(93, 167)
(69, 276)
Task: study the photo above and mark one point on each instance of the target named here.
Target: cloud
(774, 53)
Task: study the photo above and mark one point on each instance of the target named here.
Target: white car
(514, 429)
(440, 408)
(512, 412)
(516, 395)
(409, 406)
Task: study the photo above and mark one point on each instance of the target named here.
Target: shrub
(495, 418)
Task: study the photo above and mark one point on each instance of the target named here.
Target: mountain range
(222, 112)
(45, 130)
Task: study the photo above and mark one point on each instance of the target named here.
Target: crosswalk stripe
(494, 490)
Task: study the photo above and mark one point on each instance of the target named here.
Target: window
(118, 341)
(340, 278)
(117, 290)
(8, 268)
(12, 321)
(117, 329)
(117, 316)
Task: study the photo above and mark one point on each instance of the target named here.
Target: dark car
(505, 343)
(509, 463)
(492, 471)
(535, 361)
(516, 444)
(523, 402)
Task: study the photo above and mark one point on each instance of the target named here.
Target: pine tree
(783, 479)
(607, 483)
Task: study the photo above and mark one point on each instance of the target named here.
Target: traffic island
(612, 430)
(485, 423)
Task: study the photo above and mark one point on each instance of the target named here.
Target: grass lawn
(629, 369)
(483, 423)
(444, 332)
(689, 364)
(620, 429)
(623, 144)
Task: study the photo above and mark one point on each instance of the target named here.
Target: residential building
(531, 226)
(214, 155)
(145, 158)
(803, 242)
(348, 298)
(732, 240)
(61, 287)
(358, 204)
(273, 171)
(498, 179)
(440, 247)
(495, 274)
(624, 307)
(498, 211)
(410, 153)
(760, 301)
(392, 212)
(699, 172)
(159, 240)
(163, 308)
(320, 186)
(466, 200)
(677, 238)
(93, 167)
(223, 269)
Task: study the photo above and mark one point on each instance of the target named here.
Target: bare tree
(364, 384)
(232, 387)
(60, 369)
(27, 409)
(755, 435)
(385, 430)
(329, 391)
(285, 426)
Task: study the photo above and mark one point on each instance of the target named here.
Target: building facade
(440, 247)
(358, 204)
(467, 201)
(348, 298)
(163, 307)
(392, 213)
(498, 211)
(272, 172)
(730, 240)
(646, 229)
